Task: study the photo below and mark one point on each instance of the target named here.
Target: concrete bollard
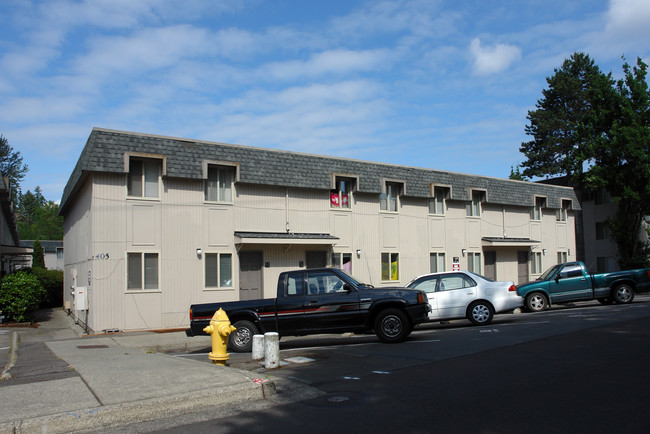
(258, 347)
(271, 350)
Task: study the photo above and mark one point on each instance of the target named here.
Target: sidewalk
(62, 381)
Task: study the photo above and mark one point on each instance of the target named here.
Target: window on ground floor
(474, 262)
(142, 271)
(562, 257)
(605, 264)
(536, 263)
(436, 262)
(342, 261)
(390, 266)
(218, 270)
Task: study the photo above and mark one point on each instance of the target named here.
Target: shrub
(52, 281)
(20, 294)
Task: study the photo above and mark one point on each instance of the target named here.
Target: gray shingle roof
(105, 151)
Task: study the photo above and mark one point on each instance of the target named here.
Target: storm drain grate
(91, 347)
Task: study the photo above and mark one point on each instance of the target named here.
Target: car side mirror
(557, 279)
(348, 288)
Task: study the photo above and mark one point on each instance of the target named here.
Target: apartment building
(154, 224)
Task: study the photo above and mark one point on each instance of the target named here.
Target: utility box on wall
(80, 298)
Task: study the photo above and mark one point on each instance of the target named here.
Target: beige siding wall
(77, 240)
(104, 225)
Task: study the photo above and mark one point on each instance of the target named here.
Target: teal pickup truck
(569, 282)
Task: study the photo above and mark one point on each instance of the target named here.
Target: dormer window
(143, 177)
(437, 201)
(341, 195)
(473, 208)
(388, 199)
(218, 185)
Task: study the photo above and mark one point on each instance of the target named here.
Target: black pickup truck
(312, 301)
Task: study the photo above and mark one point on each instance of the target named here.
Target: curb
(117, 415)
(13, 355)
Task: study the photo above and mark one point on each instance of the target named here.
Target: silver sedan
(463, 294)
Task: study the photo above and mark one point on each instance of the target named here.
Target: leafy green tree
(20, 294)
(515, 173)
(11, 166)
(622, 165)
(38, 255)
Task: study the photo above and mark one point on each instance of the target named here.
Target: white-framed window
(342, 261)
(390, 266)
(602, 231)
(437, 202)
(340, 197)
(388, 199)
(562, 257)
(218, 185)
(436, 262)
(536, 211)
(473, 208)
(474, 262)
(142, 271)
(143, 177)
(59, 253)
(536, 263)
(218, 270)
(561, 214)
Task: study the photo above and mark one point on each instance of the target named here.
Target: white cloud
(628, 17)
(340, 61)
(494, 59)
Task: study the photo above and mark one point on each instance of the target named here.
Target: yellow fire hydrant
(219, 330)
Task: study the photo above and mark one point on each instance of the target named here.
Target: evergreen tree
(11, 166)
(38, 255)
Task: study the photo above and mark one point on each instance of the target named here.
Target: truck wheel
(392, 326)
(536, 302)
(241, 340)
(623, 294)
(480, 313)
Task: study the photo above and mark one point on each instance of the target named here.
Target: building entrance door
(250, 275)
(490, 264)
(316, 259)
(522, 267)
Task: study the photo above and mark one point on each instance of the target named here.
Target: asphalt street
(566, 370)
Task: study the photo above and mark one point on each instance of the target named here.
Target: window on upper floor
(561, 214)
(143, 177)
(602, 197)
(536, 211)
(437, 202)
(473, 208)
(142, 271)
(602, 231)
(341, 196)
(218, 185)
(388, 199)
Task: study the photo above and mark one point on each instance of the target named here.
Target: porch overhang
(509, 242)
(284, 238)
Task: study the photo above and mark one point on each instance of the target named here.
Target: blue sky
(436, 84)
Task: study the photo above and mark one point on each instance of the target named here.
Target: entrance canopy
(509, 242)
(284, 238)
